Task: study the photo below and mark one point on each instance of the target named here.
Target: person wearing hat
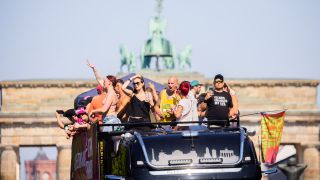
(83, 120)
(66, 125)
(96, 103)
(194, 96)
(195, 88)
(219, 103)
(70, 114)
(99, 89)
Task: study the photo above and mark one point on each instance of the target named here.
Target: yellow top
(165, 105)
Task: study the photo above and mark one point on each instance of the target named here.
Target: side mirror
(269, 171)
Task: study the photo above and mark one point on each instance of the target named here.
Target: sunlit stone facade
(28, 108)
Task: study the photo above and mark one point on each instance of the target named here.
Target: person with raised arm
(141, 101)
(108, 110)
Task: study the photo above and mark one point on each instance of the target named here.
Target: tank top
(139, 109)
(165, 104)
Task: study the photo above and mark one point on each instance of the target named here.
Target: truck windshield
(205, 148)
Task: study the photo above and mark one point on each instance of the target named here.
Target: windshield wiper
(190, 134)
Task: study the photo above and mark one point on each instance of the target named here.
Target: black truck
(157, 152)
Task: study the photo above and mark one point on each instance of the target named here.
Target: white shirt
(189, 111)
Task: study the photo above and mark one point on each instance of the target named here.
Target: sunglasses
(218, 81)
(136, 83)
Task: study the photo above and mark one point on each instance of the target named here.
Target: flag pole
(259, 149)
(262, 112)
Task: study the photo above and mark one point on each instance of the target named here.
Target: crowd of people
(183, 103)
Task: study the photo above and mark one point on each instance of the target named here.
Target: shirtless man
(96, 103)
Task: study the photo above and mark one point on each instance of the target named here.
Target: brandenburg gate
(27, 117)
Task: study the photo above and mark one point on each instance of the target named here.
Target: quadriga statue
(157, 46)
(127, 59)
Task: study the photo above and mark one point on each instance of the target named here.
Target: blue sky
(240, 39)
(256, 39)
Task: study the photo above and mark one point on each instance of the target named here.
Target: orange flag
(271, 132)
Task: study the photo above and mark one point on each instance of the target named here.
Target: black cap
(69, 113)
(218, 76)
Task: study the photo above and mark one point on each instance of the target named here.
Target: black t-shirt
(218, 106)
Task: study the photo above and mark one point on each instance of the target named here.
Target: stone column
(311, 158)
(9, 163)
(64, 162)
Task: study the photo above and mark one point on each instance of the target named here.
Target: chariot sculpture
(157, 48)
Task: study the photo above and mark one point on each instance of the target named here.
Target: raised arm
(96, 73)
(128, 92)
(60, 123)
